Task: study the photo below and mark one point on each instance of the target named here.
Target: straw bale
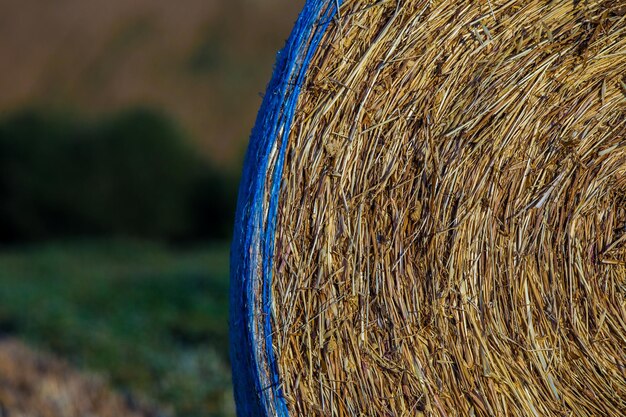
(450, 236)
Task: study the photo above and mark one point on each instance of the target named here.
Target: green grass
(152, 319)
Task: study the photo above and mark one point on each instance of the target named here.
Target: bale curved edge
(255, 375)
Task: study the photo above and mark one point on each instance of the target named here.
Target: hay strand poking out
(450, 236)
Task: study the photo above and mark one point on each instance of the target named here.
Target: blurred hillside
(202, 62)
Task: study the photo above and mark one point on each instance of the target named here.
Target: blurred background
(123, 126)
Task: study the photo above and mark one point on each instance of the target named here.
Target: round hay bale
(432, 219)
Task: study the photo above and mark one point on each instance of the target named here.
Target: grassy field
(153, 320)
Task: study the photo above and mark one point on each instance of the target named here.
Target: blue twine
(257, 387)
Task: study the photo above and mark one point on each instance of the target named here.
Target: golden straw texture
(451, 236)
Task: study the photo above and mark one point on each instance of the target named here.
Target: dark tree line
(130, 174)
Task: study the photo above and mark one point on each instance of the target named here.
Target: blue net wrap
(256, 379)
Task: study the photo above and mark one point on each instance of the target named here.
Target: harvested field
(33, 384)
